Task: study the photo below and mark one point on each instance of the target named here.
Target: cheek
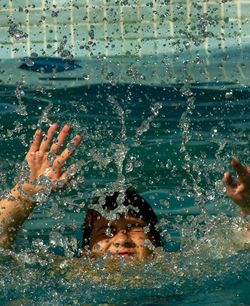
(143, 243)
(100, 246)
(142, 249)
(139, 239)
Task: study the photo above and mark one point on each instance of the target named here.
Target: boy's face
(124, 238)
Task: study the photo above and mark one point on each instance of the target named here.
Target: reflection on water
(173, 144)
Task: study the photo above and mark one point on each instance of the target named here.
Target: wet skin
(122, 238)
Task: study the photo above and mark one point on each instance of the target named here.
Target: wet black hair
(137, 207)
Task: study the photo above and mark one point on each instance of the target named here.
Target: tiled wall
(125, 27)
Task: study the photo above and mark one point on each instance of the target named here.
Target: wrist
(18, 195)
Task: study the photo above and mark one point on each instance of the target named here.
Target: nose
(122, 238)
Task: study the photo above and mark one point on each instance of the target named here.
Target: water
(173, 144)
(159, 91)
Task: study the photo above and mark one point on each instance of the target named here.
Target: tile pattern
(87, 28)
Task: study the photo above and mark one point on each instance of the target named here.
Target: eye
(106, 231)
(135, 228)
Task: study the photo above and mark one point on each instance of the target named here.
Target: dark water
(173, 144)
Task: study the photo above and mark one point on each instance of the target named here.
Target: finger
(48, 138)
(68, 175)
(230, 192)
(35, 145)
(66, 154)
(242, 171)
(61, 139)
(228, 179)
(64, 178)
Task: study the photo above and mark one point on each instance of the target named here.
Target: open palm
(46, 160)
(239, 190)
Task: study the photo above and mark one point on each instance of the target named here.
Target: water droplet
(28, 61)
(66, 54)
(16, 32)
(165, 203)
(156, 108)
(86, 77)
(109, 233)
(229, 94)
(129, 167)
(34, 54)
(54, 13)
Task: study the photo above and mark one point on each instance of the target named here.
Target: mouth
(123, 254)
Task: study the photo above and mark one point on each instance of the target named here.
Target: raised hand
(44, 171)
(46, 161)
(239, 190)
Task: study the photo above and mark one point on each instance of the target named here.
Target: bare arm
(45, 161)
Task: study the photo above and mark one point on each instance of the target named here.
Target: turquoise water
(173, 144)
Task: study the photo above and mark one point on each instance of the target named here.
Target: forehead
(101, 221)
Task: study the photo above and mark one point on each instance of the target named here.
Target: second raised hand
(45, 161)
(239, 190)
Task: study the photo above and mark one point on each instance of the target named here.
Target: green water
(173, 144)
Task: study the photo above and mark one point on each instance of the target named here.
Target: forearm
(14, 210)
(243, 236)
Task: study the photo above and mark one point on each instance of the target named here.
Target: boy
(131, 235)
